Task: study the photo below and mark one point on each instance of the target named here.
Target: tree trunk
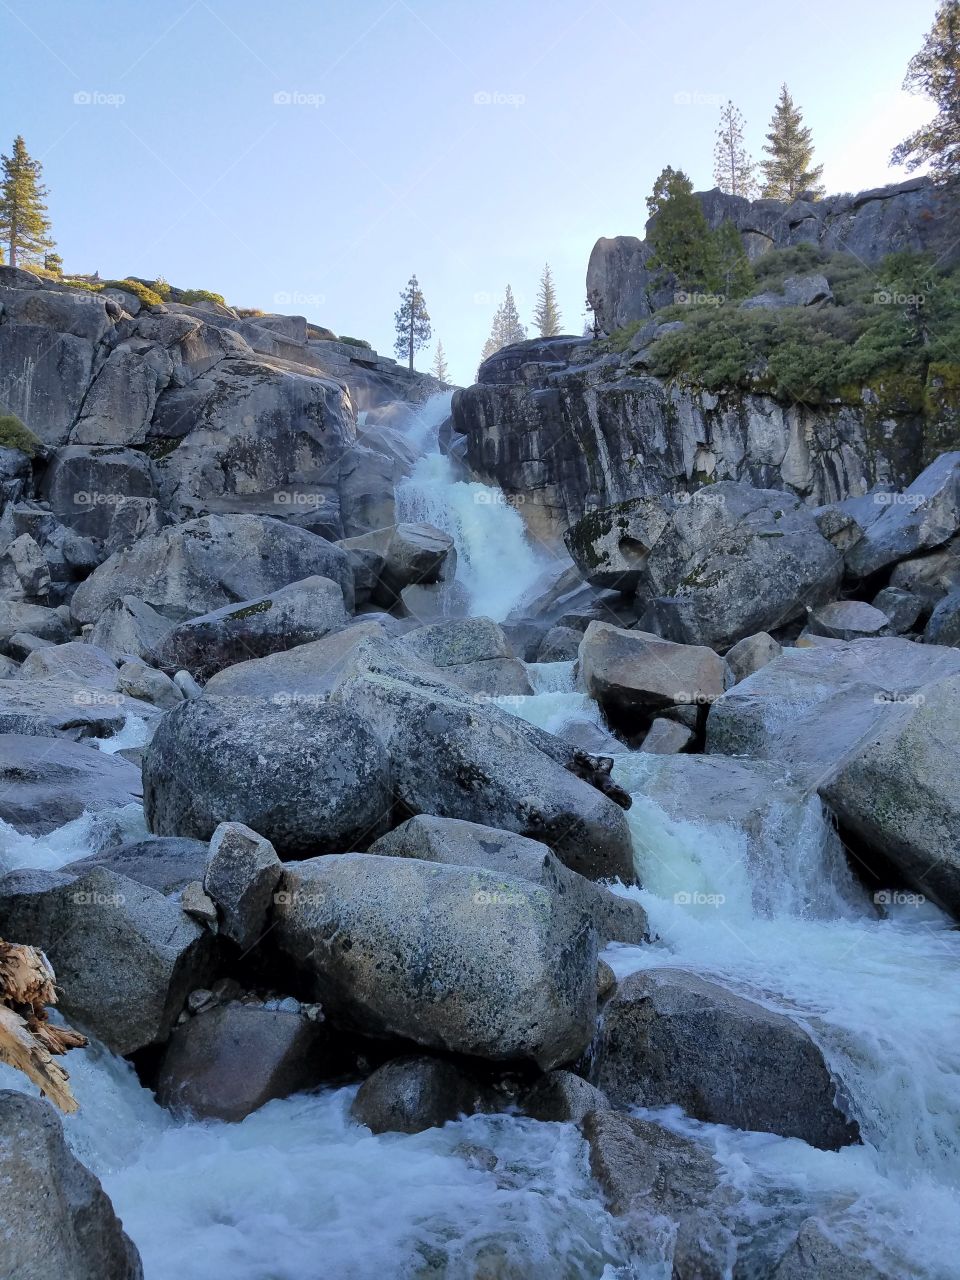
(27, 1040)
(411, 342)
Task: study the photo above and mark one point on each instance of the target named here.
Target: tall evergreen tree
(413, 322)
(730, 273)
(506, 327)
(790, 170)
(23, 215)
(733, 170)
(439, 368)
(935, 72)
(678, 231)
(546, 315)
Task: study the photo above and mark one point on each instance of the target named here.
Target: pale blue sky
(378, 160)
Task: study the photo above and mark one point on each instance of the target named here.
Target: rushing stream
(298, 1191)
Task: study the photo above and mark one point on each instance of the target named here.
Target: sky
(308, 156)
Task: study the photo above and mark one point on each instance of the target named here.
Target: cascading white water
(498, 563)
(298, 1191)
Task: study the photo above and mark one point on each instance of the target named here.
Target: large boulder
(125, 955)
(93, 490)
(468, 844)
(74, 660)
(240, 877)
(923, 517)
(458, 758)
(296, 614)
(45, 782)
(451, 642)
(56, 1221)
(839, 1248)
(453, 958)
(735, 560)
(406, 554)
(897, 789)
(631, 670)
(408, 1095)
(848, 620)
(35, 619)
(129, 627)
(650, 1175)
(308, 776)
(811, 706)
(669, 1037)
(228, 1061)
(164, 863)
(610, 546)
(209, 563)
(66, 708)
(944, 624)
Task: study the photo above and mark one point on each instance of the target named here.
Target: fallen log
(28, 1041)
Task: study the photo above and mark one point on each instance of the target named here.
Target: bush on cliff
(15, 434)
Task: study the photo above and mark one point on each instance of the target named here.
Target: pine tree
(506, 327)
(23, 215)
(790, 171)
(733, 170)
(935, 72)
(439, 369)
(546, 316)
(53, 262)
(413, 322)
(730, 273)
(678, 231)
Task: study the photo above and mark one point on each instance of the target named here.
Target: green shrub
(355, 342)
(15, 434)
(189, 297)
(146, 295)
(88, 285)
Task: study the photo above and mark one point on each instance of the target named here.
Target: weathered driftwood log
(28, 1041)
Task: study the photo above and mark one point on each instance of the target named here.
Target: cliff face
(164, 413)
(572, 436)
(868, 225)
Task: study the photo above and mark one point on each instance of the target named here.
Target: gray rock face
(931, 576)
(86, 663)
(296, 614)
(164, 863)
(812, 706)
(669, 1037)
(944, 624)
(68, 709)
(56, 1221)
(649, 1174)
(409, 1095)
(45, 782)
(485, 965)
(902, 608)
(124, 955)
(211, 563)
(848, 620)
(454, 641)
(35, 619)
(128, 626)
(407, 554)
(610, 547)
(751, 653)
(307, 672)
(228, 1061)
(870, 225)
(92, 489)
(633, 669)
(241, 875)
(468, 844)
(733, 561)
(560, 644)
(666, 737)
(925, 516)
(898, 790)
(457, 758)
(562, 1096)
(309, 777)
(137, 680)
